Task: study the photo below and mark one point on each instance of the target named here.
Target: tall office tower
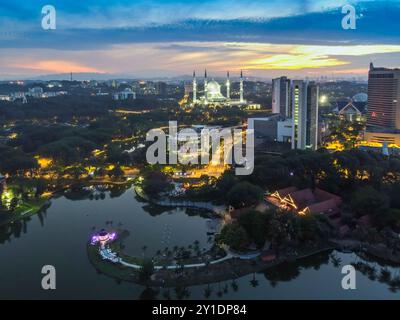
(305, 115)
(161, 88)
(281, 96)
(228, 86)
(241, 87)
(383, 98)
(194, 87)
(205, 88)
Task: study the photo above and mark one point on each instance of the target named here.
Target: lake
(58, 237)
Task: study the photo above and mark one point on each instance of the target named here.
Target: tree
(75, 172)
(116, 172)
(254, 282)
(146, 270)
(394, 195)
(308, 228)
(234, 236)
(368, 200)
(255, 224)
(155, 183)
(388, 218)
(244, 194)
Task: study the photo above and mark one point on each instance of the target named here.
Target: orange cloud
(353, 71)
(58, 66)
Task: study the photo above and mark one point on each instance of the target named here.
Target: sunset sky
(150, 38)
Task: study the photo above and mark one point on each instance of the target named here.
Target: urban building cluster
(295, 114)
(34, 92)
(383, 115)
(296, 118)
(212, 93)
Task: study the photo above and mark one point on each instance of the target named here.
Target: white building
(36, 92)
(213, 95)
(305, 96)
(285, 130)
(126, 94)
(281, 96)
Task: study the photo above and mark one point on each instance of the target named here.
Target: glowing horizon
(181, 58)
(170, 38)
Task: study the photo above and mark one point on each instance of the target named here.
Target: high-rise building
(305, 97)
(241, 87)
(161, 88)
(383, 98)
(281, 96)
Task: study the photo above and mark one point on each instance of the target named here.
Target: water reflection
(285, 273)
(20, 227)
(12, 230)
(156, 230)
(376, 270)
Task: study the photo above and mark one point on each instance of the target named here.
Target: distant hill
(108, 76)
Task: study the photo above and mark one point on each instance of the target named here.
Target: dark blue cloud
(379, 23)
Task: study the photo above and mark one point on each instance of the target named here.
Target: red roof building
(307, 200)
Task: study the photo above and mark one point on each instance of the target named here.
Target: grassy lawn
(106, 267)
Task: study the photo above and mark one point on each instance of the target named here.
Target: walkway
(174, 267)
(219, 210)
(228, 256)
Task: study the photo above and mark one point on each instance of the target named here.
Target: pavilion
(306, 201)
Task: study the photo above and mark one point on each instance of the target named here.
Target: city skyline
(264, 39)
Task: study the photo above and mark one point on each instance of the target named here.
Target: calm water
(58, 237)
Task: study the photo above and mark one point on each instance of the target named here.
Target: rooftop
(307, 200)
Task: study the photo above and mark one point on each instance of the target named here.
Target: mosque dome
(213, 88)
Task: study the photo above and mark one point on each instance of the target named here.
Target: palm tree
(371, 273)
(144, 248)
(182, 293)
(394, 284)
(385, 275)
(207, 292)
(219, 293)
(254, 282)
(336, 261)
(234, 285)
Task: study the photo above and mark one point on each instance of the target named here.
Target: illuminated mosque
(212, 92)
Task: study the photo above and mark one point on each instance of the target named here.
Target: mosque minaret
(212, 92)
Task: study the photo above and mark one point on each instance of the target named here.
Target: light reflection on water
(58, 237)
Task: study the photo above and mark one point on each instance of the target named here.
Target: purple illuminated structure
(103, 237)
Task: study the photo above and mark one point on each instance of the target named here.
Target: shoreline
(230, 269)
(17, 215)
(378, 251)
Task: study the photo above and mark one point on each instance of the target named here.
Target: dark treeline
(65, 108)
